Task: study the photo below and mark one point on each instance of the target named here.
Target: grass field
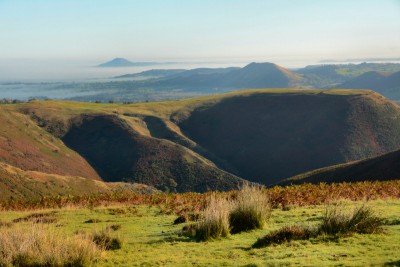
(151, 239)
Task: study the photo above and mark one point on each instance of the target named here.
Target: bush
(44, 246)
(251, 210)
(337, 222)
(215, 220)
(285, 234)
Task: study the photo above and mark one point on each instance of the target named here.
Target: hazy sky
(199, 29)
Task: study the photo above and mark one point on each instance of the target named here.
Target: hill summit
(117, 62)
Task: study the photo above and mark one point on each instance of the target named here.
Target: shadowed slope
(385, 167)
(118, 153)
(268, 137)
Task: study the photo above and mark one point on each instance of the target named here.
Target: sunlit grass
(150, 238)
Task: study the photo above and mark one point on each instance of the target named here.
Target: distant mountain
(385, 167)
(122, 62)
(388, 86)
(262, 75)
(254, 75)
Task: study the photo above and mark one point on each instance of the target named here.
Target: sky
(203, 30)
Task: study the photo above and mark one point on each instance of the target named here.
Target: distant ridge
(368, 80)
(253, 75)
(388, 86)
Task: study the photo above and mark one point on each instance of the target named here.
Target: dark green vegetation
(197, 144)
(285, 234)
(385, 167)
(106, 241)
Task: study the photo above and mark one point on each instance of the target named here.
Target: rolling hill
(200, 144)
(268, 137)
(385, 167)
(331, 75)
(253, 75)
(387, 85)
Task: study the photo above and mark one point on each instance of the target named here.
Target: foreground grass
(38, 245)
(150, 238)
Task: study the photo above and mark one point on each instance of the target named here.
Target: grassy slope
(385, 167)
(19, 184)
(25, 145)
(150, 239)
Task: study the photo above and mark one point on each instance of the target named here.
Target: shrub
(285, 234)
(215, 220)
(338, 222)
(251, 210)
(44, 246)
(105, 241)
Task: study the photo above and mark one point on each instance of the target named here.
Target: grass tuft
(44, 246)
(215, 221)
(105, 241)
(337, 222)
(251, 210)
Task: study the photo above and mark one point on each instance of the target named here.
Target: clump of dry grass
(336, 221)
(251, 209)
(45, 246)
(215, 220)
(106, 241)
(5, 224)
